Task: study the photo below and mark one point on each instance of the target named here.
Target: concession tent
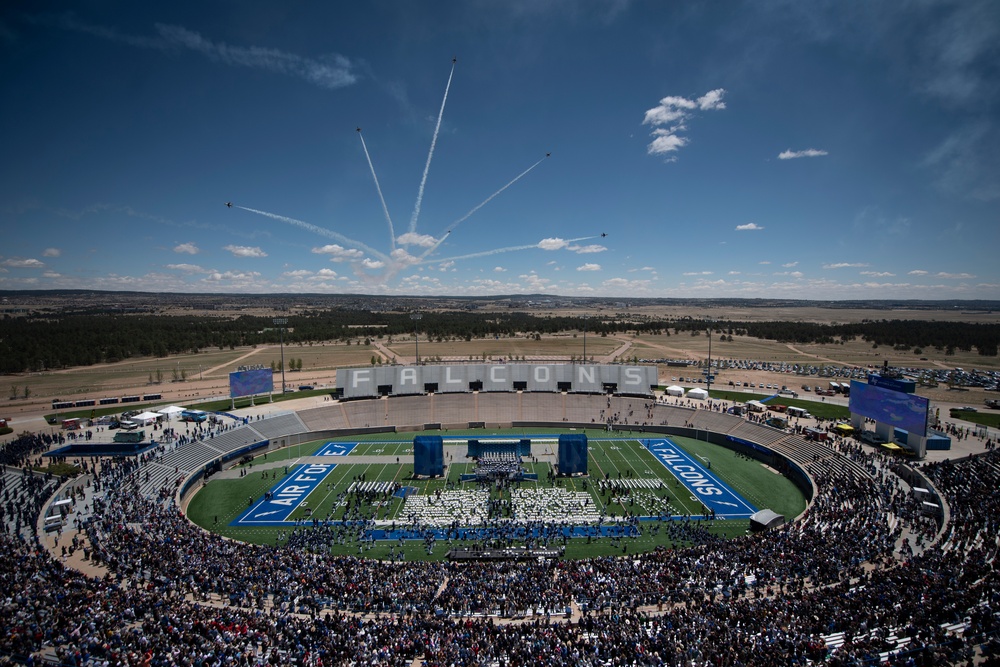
(170, 411)
(674, 390)
(697, 392)
(765, 520)
(146, 417)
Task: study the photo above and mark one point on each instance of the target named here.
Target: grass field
(985, 418)
(816, 408)
(643, 487)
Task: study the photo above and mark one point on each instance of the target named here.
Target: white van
(798, 412)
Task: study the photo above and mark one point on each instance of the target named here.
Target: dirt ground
(205, 375)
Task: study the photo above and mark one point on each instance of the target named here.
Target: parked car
(872, 438)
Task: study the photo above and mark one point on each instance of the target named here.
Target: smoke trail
(430, 154)
(487, 253)
(472, 211)
(392, 233)
(321, 231)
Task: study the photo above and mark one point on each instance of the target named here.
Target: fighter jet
(548, 155)
(454, 60)
(359, 129)
(603, 234)
(229, 204)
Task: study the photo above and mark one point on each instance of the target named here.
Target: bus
(130, 436)
(196, 416)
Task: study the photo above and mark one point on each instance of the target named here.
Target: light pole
(584, 339)
(708, 376)
(416, 338)
(281, 322)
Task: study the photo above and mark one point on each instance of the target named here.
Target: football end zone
(704, 486)
(282, 498)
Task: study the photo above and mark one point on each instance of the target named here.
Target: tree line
(35, 343)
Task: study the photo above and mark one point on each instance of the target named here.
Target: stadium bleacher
(278, 425)
(929, 608)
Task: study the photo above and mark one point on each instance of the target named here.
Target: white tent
(674, 390)
(170, 411)
(697, 392)
(146, 417)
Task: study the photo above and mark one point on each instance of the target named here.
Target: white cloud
(552, 244)
(589, 267)
(326, 273)
(29, 263)
(625, 286)
(533, 282)
(790, 265)
(499, 269)
(586, 249)
(187, 268)
(665, 142)
(809, 152)
(749, 227)
(697, 273)
(917, 272)
(669, 119)
(712, 100)
(954, 276)
(845, 265)
(245, 251)
(298, 273)
(734, 273)
(51, 274)
(51, 252)
(790, 274)
(236, 276)
(764, 261)
(877, 274)
(413, 238)
(370, 263)
(338, 253)
(187, 248)
(400, 256)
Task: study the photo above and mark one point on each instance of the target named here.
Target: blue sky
(767, 149)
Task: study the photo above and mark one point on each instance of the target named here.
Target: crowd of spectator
(177, 595)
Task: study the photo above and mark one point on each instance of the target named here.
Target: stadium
(891, 563)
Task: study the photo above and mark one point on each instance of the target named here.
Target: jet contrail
(321, 231)
(392, 232)
(430, 154)
(472, 211)
(487, 253)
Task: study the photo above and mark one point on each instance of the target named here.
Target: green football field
(625, 480)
